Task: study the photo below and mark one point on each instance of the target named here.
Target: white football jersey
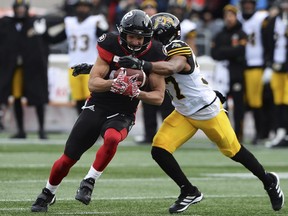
(252, 27)
(281, 41)
(82, 39)
(190, 92)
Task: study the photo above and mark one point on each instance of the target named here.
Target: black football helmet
(178, 8)
(247, 12)
(283, 5)
(23, 14)
(135, 22)
(84, 2)
(177, 3)
(80, 13)
(18, 3)
(166, 27)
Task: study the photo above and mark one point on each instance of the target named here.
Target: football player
(276, 53)
(251, 24)
(82, 31)
(228, 49)
(24, 42)
(196, 107)
(110, 110)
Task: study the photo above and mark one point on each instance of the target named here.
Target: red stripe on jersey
(145, 51)
(105, 55)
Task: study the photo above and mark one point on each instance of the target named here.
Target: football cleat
(184, 201)
(19, 135)
(281, 144)
(275, 193)
(85, 190)
(43, 200)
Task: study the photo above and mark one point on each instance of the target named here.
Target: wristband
(146, 66)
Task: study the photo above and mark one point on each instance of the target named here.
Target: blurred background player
(276, 53)
(82, 32)
(188, 28)
(252, 23)
(150, 112)
(24, 42)
(149, 7)
(123, 7)
(2, 117)
(228, 49)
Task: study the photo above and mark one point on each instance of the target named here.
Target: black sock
(171, 167)
(18, 110)
(247, 159)
(40, 116)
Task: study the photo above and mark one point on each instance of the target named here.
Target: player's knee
(64, 162)
(160, 141)
(157, 153)
(228, 152)
(154, 152)
(112, 137)
(231, 150)
(111, 140)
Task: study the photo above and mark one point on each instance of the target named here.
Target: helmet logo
(127, 15)
(146, 21)
(102, 38)
(176, 45)
(163, 20)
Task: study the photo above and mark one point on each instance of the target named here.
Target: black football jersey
(110, 50)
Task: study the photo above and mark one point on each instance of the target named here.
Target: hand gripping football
(141, 76)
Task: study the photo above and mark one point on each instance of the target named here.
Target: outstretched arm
(174, 65)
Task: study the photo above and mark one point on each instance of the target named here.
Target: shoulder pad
(108, 41)
(178, 47)
(102, 38)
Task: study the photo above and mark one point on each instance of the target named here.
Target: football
(141, 79)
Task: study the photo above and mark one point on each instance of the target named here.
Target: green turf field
(133, 184)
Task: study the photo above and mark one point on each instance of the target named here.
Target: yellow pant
(279, 86)
(79, 86)
(254, 87)
(177, 129)
(17, 83)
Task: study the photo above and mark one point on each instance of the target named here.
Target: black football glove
(82, 68)
(220, 96)
(134, 63)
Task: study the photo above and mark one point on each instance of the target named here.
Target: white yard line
(58, 213)
(137, 198)
(208, 177)
(106, 180)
